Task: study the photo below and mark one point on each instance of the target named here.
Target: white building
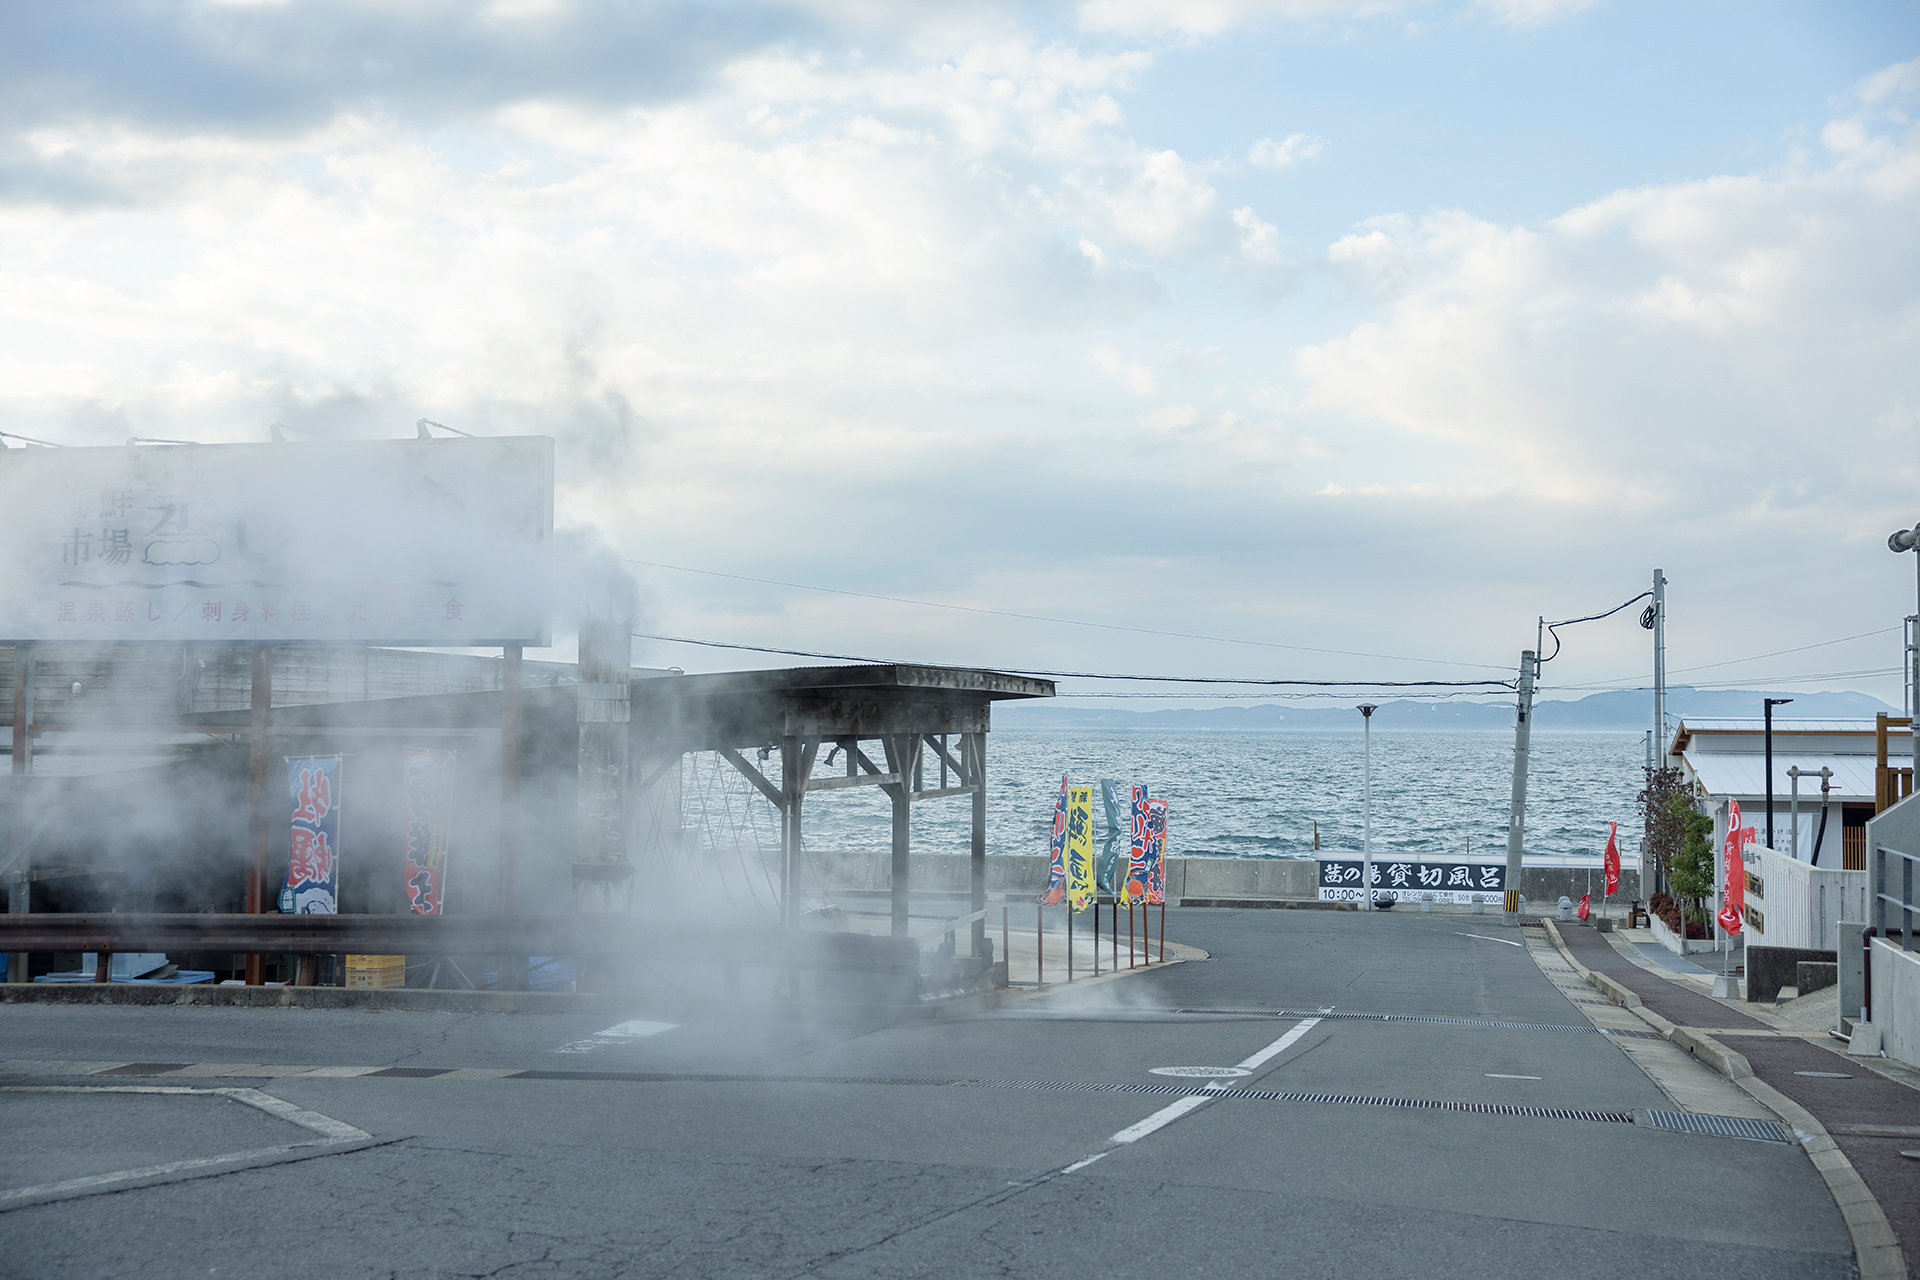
(1724, 759)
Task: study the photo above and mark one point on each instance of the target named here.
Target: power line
(1730, 662)
(1069, 622)
(1567, 622)
(1101, 675)
(1749, 680)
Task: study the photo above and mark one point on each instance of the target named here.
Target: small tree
(1692, 869)
(1663, 829)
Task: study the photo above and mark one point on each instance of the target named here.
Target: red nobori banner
(427, 783)
(1733, 872)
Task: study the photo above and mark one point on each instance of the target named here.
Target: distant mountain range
(1629, 711)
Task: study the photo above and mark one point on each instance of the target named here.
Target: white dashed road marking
(1193, 1102)
(616, 1034)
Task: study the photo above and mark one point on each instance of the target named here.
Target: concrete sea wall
(1189, 880)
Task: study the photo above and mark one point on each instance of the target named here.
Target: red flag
(1610, 860)
(1583, 908)
(1733, 899)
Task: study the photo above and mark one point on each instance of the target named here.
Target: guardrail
(612, 938)
(1879, 898)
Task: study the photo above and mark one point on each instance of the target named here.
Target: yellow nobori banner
(1080, 870)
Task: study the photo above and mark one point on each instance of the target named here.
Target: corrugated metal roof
(1755, 724)
(1743, 773)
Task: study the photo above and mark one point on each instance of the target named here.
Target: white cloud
(1294, 149)
(1675, 344)
(1199, 18)
(1259, 241)
(1210, 17)
(1902, 79)
(1531, 13)
(1135, 377)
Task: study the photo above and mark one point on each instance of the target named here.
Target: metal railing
(1882, 894)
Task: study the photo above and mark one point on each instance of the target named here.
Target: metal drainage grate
(144, 1069)
(1398, 1017)
(1101, 1086)
(407, 1073)
(1476, 1108)
(1719, 1126)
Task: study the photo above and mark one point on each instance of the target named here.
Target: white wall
(1896, 1000)
(1801, 906)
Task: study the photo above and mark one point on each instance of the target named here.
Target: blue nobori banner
(1410, 881)
(313, 865)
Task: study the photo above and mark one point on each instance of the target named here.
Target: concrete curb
(1876, 1250)
(1606, 986)
(1734, 1066)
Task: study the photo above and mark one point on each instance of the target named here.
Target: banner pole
(1039, 947)
(1163, 929)
(1069, 940)
(258, 764)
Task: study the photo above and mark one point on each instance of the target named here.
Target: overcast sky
(1374, 327)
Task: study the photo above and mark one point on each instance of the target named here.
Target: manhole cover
(1201, 1073)
(1825, 1075)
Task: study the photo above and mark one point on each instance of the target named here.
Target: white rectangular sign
(426, 542)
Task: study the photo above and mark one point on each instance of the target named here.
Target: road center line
(1193, 1102)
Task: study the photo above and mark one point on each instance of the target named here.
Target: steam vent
(615, 829)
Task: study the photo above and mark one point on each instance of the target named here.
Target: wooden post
(602, 871)
(793, 793)
(513, 969)
(20, 892)
(258, 762)
(901, 755)
(975, 749)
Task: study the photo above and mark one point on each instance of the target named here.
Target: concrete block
(1865, 1042)
(1770, 968)
(1815, 975)
(1853, 967)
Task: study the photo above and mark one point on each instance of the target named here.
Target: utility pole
(1366, 809)
(1659, 668)
(1517, 818)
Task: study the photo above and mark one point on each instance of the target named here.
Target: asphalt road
(981, 1146)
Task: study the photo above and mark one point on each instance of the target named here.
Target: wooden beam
(754, 776)
(942, 793)
(866, 780)
(947, 761)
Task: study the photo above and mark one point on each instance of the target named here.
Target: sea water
(1237, 794)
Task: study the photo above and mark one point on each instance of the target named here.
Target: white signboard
(425, 542)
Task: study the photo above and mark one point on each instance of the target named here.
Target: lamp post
(1897, 541)
(1366, 808)
(1771, 704)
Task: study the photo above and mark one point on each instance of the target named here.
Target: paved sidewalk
(1863, 1099)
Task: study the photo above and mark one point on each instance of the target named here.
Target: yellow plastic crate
(375, 972)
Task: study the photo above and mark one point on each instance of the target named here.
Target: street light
(1366, 808)
(1897, 541)
(1771, 703)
